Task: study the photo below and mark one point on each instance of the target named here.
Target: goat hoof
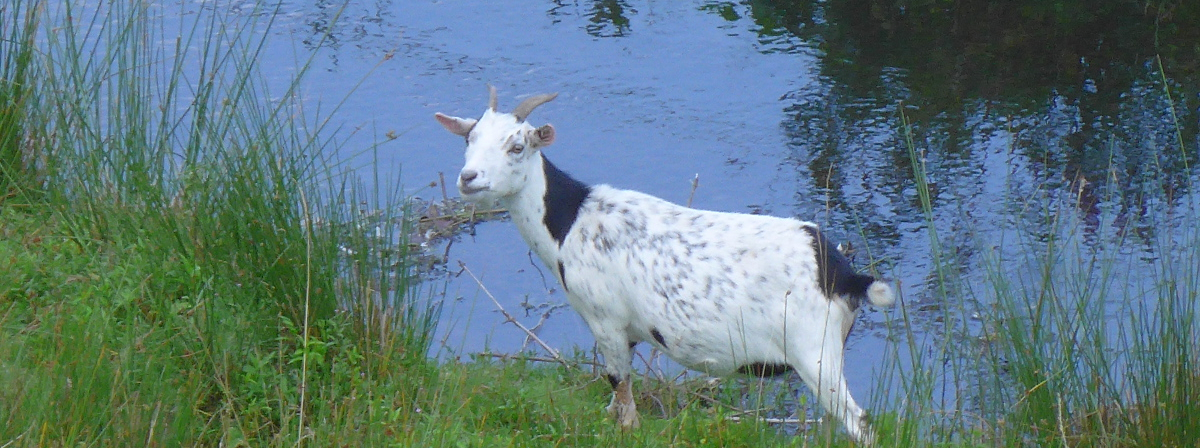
(865, 437)
(625, 415)
(628, 421)
(867, 440)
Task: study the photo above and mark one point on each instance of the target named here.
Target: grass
(1103, 359)
(16, 56)
(1098, 358)
(85, 363)
(181, 263)
(1076, 350)
(169, 281)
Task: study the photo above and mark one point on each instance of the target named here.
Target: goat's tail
(880, 293)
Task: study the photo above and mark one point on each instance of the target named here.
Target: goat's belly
(711, 365)
(719, 350)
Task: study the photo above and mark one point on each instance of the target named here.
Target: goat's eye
(517, 148)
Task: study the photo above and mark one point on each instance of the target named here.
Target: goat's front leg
(618, 366)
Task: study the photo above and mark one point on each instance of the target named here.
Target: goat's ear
(460, 126)
(542, 136)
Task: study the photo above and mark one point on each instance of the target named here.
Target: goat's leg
(618, 365)
(821, 369)
(622, 406)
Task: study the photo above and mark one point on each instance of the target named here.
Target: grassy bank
(88, 360)
(174, 263)
(182, 264)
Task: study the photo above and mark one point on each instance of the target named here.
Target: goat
(720, 293)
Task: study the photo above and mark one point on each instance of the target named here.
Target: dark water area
(1033, 122)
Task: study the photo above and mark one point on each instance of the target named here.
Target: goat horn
(522, 111)
(491, 97)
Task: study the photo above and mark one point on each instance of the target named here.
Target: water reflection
(606, 18)
(1007, 101)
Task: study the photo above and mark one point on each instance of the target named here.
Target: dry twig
(541, 320)
(776, 420)
(511, 357)
(509, 317)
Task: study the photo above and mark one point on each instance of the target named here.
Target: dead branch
(511, 357)
(541, 320)
(509, 317)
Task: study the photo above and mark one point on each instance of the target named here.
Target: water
(784, 108)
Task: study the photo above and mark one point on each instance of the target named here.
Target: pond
(1031, 121)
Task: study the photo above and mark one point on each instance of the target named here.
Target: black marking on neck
(835, 275)
(613, 380)
(763, 370)
(564, 197)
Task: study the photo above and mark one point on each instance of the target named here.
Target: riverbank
(105, 345)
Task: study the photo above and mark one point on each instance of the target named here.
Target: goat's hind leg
(821, 369)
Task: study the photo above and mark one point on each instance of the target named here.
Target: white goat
(720, 293)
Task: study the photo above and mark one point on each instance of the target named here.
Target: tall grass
(1088, 354)
(209, 297)
(1095, 334)
(182, 137)
(1086, 340)
(18, 156)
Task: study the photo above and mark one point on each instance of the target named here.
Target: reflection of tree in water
(1009, 101)
(608, 18)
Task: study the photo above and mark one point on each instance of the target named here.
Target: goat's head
(502, 149)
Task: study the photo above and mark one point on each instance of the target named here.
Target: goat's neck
(546, 208)
(528, 211)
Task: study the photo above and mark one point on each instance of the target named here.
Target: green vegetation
(16, 56)
(172, 273)
(1074, 350)
(171, 256)
(1099, 357)
(89, 358)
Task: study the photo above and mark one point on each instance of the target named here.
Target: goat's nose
(468, 175)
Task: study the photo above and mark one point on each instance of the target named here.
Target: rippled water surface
(785, 108)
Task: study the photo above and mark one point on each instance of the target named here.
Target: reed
(1073, 348)
(191, 278)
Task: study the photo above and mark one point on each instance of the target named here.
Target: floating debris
(438, 222)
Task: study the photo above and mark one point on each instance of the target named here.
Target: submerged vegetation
(182, 262)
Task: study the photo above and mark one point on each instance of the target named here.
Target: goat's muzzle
(466, 176)
(464, 183)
